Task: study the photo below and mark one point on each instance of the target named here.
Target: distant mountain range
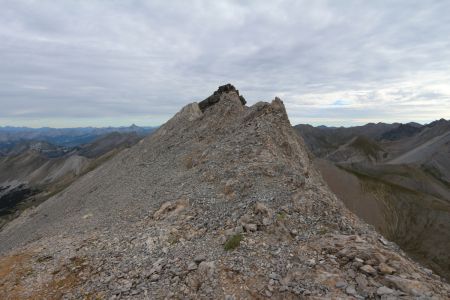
(38, 163)
(394, 176)
(68, 137)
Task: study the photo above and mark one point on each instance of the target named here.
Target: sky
(113, 63)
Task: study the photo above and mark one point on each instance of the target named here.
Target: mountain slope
(427, 133)
(32, 171)
(220, 202)
(403, 176)
(433, 155)
(358, 149)
(424, 152)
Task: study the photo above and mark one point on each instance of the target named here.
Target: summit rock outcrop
(215, 97)
(221, 202)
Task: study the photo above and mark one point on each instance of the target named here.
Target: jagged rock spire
(215, 97)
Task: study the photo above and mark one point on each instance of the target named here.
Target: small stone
(311, 262)
(346, 252)
(206, 269)
(383, 241)
(359, 240)
(126, 286)
(154, 277)
(372, 262)
(298, 290)
(384, 290)
(238, 229)
(341, 284)
(368, 269)
(192, 266)
(87, 216)
(350, 290)
(274, 276)
(199, 258)
(428, 271)
(361, 281)
(385, 269)
(261, 208)
(134, 292)
(266, 221)
(351, 273)
(250, 227)
(283, 288)
(380, 257)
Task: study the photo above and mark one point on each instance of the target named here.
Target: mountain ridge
(219, 203)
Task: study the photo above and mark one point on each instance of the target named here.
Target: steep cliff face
(221, 202)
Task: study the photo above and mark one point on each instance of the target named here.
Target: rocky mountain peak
(440, 122)
(222, 111)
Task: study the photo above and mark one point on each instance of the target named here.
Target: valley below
(32, 169)
(394, 177)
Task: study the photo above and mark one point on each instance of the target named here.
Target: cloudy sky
(77, 63)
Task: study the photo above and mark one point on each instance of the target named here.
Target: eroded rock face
(222, 203)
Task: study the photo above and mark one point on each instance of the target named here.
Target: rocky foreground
(221, 202)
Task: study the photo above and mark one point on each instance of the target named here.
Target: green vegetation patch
(281, 216)
(233, 242)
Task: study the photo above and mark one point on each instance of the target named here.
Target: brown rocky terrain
(221, 202)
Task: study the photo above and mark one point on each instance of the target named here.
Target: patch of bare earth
(28, 275)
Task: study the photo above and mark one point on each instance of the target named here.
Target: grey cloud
(136, 59)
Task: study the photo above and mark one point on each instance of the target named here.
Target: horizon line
(156, 126)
